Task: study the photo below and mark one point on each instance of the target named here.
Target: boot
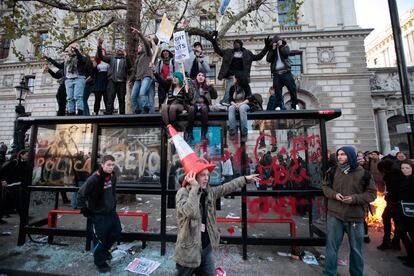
(80, 112)
(386, 244)
(395, 244)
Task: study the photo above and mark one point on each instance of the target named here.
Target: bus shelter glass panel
(137, 153)
(62, 155)
(287, 155)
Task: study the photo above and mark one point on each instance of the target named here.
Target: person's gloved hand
(214, 35)
(267, 41)
(86, 212)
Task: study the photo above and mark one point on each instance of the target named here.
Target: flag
(223, 6)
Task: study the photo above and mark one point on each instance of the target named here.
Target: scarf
(345, 168)
(72, 64)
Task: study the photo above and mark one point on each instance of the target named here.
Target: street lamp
(21, 91)
(20, 130)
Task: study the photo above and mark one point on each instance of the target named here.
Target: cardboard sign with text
(181, 47)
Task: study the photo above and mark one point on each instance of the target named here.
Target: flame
(377, 207)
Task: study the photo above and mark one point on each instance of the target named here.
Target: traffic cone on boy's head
(191, 162)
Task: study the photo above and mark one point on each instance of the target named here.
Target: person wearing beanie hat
(203, 93)
(178, 98)
(236, 60)
(280, 65)
(165, 68)
(97, 201)
(349, 190)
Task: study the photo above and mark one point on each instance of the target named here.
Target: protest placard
(181, 47)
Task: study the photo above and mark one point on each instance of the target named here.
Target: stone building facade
(380, 44)
(330, 66)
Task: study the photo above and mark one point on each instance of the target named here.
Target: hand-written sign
(181, 47)
(165, 30)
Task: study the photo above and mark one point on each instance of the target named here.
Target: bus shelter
(287, 148)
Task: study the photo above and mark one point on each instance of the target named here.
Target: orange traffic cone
(191, 162)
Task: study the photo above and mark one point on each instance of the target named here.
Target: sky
(375, 13)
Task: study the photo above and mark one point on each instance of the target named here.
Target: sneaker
(103, 268)
(296, 107)
(277, 108)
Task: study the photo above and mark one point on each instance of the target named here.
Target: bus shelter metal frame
(317, 236)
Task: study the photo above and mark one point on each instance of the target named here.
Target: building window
(4, 48)
(296, 62)
(41, 48)
(284, 15)
(211, 75)
(30, 82)
(209, 25)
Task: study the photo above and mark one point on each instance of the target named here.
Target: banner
(181, 47)
(223, 6)
(165, 30)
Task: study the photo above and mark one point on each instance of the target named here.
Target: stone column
(384, 135)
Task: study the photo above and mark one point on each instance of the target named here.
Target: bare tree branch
(89, 31)
(182, 14)
(253, 6)
(68, 7)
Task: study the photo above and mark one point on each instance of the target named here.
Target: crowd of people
(181, 87)
(351, 183)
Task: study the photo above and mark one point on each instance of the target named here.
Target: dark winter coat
(227, 54)
(392, 181)
(81, 66)
(98, 202)
(272, 57)
(182, 97)
(124, 66)
(350, 184)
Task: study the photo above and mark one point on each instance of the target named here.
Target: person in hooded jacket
(348, 198)
(203, 93)
(165, 68)
(97, 201)
(278, 57)
(236, 60)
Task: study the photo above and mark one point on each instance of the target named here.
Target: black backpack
(256, 102)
